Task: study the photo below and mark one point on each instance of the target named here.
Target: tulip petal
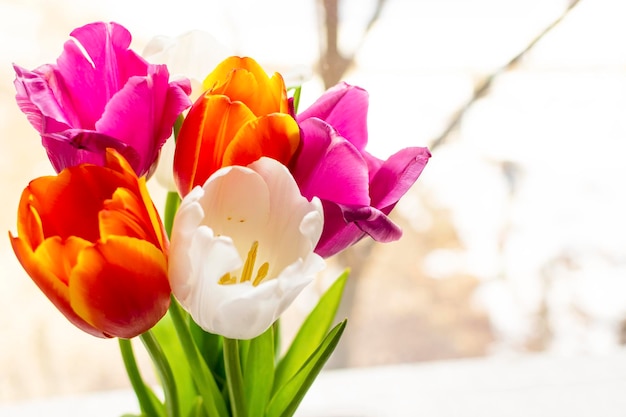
(68, 203)
(48, 267)
(236, 203)
(243, 79)
(329, 167)
(73, 147)
(344, 107)
(130, 104)
(302, 220)
(276, 136)
(124, 215)
(40, 96)
(190, 53)
(396, 175)
(97, 60)
(152, 100)
(337, 233)
(209, 127)
(120, 286)
(373, 222)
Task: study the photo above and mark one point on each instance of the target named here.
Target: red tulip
(92, 240)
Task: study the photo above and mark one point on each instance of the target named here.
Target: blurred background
(514, 236)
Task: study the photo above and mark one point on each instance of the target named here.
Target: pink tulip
(357, 190)
(99, 95)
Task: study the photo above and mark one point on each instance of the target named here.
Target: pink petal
(330, 167)
(95, 65)
(36, 98)
(374, 223)
(344, 107)
(396, 175)
(344, 226)
(141, 116)
(76, 146)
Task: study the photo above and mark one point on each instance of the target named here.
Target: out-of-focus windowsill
(537, 385)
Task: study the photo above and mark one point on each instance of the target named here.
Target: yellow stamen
(248, 269)
(227, 279)
(261, 274)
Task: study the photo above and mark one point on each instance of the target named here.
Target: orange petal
(125, 215)
(120, 286)
(115, 161)
(155, 233)
(276, 136)
(49, 267)
(68, 204)
(278, 94)
(243, 79)
(29, 226)
(207, 130)
(219, 76)
(153, 214)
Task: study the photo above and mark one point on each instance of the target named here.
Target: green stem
(141, 391)
(177, 125)
(172, 202)
(234, 377)
(203, 378)
(164, 371)
(296, 98)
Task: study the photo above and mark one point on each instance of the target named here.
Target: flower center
(248, 269)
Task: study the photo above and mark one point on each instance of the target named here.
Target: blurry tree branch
(482, 88)
(334, 63)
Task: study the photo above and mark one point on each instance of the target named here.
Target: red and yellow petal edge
(121, 286)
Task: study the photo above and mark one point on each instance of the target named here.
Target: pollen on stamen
(227, 279)
(247, 270)
(261, 273)
(248, 266)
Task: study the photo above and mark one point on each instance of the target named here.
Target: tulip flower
(92, 240)
(243, 115)
(242, 248)
(357, 190)
(100, 95)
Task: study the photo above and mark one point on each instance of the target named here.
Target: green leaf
(286, 401)
(259, 372)
(164, 371)
(210, 346)
(234, 378)
(149, 403)
(277, 339)
(212, 399)
(244, 348)
(196, 409)
(166, 336)
(311, 333)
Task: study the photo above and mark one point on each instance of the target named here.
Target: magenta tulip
(357, 190)
(100, 95)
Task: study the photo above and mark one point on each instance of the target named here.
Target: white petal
(303, 221)
(211, 239)
(193, 55)
(164, 173)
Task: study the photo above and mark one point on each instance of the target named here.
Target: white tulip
(242, 248)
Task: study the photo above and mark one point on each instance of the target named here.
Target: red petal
(120, 286)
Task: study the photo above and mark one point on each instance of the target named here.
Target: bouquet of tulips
(260, 196)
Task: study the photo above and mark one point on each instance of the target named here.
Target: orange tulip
(93, 242)
(242, 116)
